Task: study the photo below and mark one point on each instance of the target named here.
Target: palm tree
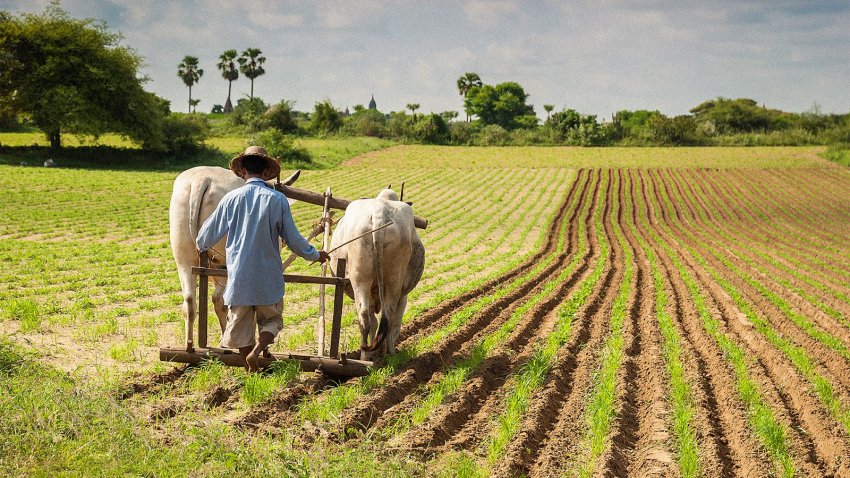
(193, 104)
(230, 72)
(413, 107)
(465, 83)
(548, 109)
(250, 64)
(190, 73)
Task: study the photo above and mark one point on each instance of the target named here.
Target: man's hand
(324, 257)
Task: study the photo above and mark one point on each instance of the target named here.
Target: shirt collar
(256, 181)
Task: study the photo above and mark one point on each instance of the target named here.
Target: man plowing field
(253, 217)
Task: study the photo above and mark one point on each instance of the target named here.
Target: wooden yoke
(334, 202)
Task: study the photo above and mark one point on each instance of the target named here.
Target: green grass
(838, 154)
(25, 311)
(259, 386)
(54, 426)
(68, 140)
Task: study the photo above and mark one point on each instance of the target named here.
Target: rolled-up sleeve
(294, 240)
(214, 228)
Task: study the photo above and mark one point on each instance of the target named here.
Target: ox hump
(388, 195)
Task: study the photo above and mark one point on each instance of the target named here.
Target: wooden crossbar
(204, 271)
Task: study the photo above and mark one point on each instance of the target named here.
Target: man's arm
(294, 240)
(214, 228)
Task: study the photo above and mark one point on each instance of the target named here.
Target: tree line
(65, 75)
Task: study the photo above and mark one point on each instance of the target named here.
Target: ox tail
(378, 247)
(196, 199)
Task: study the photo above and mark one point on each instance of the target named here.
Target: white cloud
(596, 56)
(490, 13)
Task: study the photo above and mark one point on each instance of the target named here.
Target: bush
(528, 137)
(249, 113)
(184, 133)
(676, 131)
(280, 146)
(462, 133)
(493, 135)
(281, 117)
(431, 129)
(366, 122)
(325, 118)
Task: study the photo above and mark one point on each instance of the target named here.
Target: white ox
(383, 266)
(196, 194)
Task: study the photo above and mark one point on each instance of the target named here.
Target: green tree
(504, 105)
(548, 109)
(413, 107)
(229, 71)
(464, 84)
(431, 129)
(449, 116)
(675, 131)
(742, 115)
(365, 122)
(251, 65)
(632, 124)
(282, 117)
(576, 128)
(74, 76)
(190, 73)
(325, 119)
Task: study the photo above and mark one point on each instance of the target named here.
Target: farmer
(253, 217)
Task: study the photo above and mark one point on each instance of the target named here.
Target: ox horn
(292, 178)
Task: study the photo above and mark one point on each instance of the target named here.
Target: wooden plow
(335, 362)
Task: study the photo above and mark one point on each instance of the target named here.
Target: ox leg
(218, 304)
(187, 283)
(395, 316)
(365, 316)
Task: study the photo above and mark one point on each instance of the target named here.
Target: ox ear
(292, 178)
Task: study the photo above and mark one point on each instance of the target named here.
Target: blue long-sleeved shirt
(254, 217)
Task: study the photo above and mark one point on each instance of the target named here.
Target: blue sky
(593, 56)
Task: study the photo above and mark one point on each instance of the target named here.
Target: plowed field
(662, 322)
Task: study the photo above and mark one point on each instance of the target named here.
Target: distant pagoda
(372, 104)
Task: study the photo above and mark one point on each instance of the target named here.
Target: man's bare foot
(253, 360)
(253, 357)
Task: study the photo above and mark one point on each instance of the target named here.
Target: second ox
(383, 266)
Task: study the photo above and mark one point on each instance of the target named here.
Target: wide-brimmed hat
(272, 169)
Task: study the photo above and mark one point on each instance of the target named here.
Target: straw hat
(272, 164)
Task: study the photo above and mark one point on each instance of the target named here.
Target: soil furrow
(722, 421)
(640, 443)
(801, 444)
(827, 357)
(714, 454)
(458, 420)
(736, 254)
(763, 224)
(543, 443)
(421, 368)
(436, 317)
